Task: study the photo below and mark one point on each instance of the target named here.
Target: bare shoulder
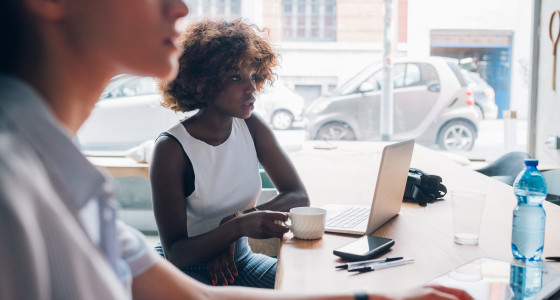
(166, 144)
(258, 126)
(167, 152)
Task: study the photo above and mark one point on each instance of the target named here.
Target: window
(404, 75)
(325, 43)
(399, 74)
(407, 75)
(229, 9)
(373, 83)
(328, 42)
(429, 75)
(309, 20)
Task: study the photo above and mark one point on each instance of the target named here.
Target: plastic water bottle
(527, 237)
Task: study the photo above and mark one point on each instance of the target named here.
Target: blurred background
(471, 79)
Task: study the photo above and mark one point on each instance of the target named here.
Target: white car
(129, 112)
(280, 106)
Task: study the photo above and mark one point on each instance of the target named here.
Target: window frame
(307, 20)
(222, 8)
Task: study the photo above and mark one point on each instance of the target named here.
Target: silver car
(129, 112)
(280, 106)
(432, 104)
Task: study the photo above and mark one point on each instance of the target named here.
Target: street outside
(490, 143)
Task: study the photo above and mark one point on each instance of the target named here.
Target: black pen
(553, 258)
(365, 262)
(377, 266)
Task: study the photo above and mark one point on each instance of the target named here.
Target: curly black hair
(213, 51)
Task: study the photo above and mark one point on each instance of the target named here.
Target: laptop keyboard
(349, 218)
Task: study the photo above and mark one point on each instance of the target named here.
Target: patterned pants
(255, 270)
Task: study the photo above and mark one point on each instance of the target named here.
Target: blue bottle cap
(531, 162)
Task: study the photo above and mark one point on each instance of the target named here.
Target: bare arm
(172, 178)
(163, 281)
(278, 166)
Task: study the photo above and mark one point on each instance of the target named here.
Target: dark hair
(213, 50)
(13, 33)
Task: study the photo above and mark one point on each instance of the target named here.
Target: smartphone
(364, 248)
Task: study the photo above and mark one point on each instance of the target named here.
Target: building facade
(323, 43)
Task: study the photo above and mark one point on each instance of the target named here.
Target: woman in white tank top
(205, 170)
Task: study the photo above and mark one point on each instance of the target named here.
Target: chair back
(552, 179)
(509, 164)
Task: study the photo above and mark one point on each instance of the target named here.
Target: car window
(130, 88)
(399, 74)
(412, 77)
(412, 74)
(353, 85)
(373, 83)
(404, 75)
(407, 75)
(457, 71)
(429, 74)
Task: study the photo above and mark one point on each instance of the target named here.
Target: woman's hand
(222, 268)
(263, 224)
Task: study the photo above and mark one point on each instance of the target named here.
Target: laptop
(387, 197)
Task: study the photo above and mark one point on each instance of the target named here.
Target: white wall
(253, 11)
(327, 64)
(514, 15)
(327, 59)
(548, 107)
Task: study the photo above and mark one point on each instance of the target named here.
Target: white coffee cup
(307, 223)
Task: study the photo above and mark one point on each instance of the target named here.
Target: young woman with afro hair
(205, 170)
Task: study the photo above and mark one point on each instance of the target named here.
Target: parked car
(280, 106)
(483, 94)
(129, 112)
(432, 104)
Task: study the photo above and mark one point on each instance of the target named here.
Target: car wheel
(282, 119)
(479, 112)
(456, 136)
(336, 131)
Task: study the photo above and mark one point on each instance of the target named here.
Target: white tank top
(227, 177)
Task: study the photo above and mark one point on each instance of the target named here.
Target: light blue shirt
(59, 238)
